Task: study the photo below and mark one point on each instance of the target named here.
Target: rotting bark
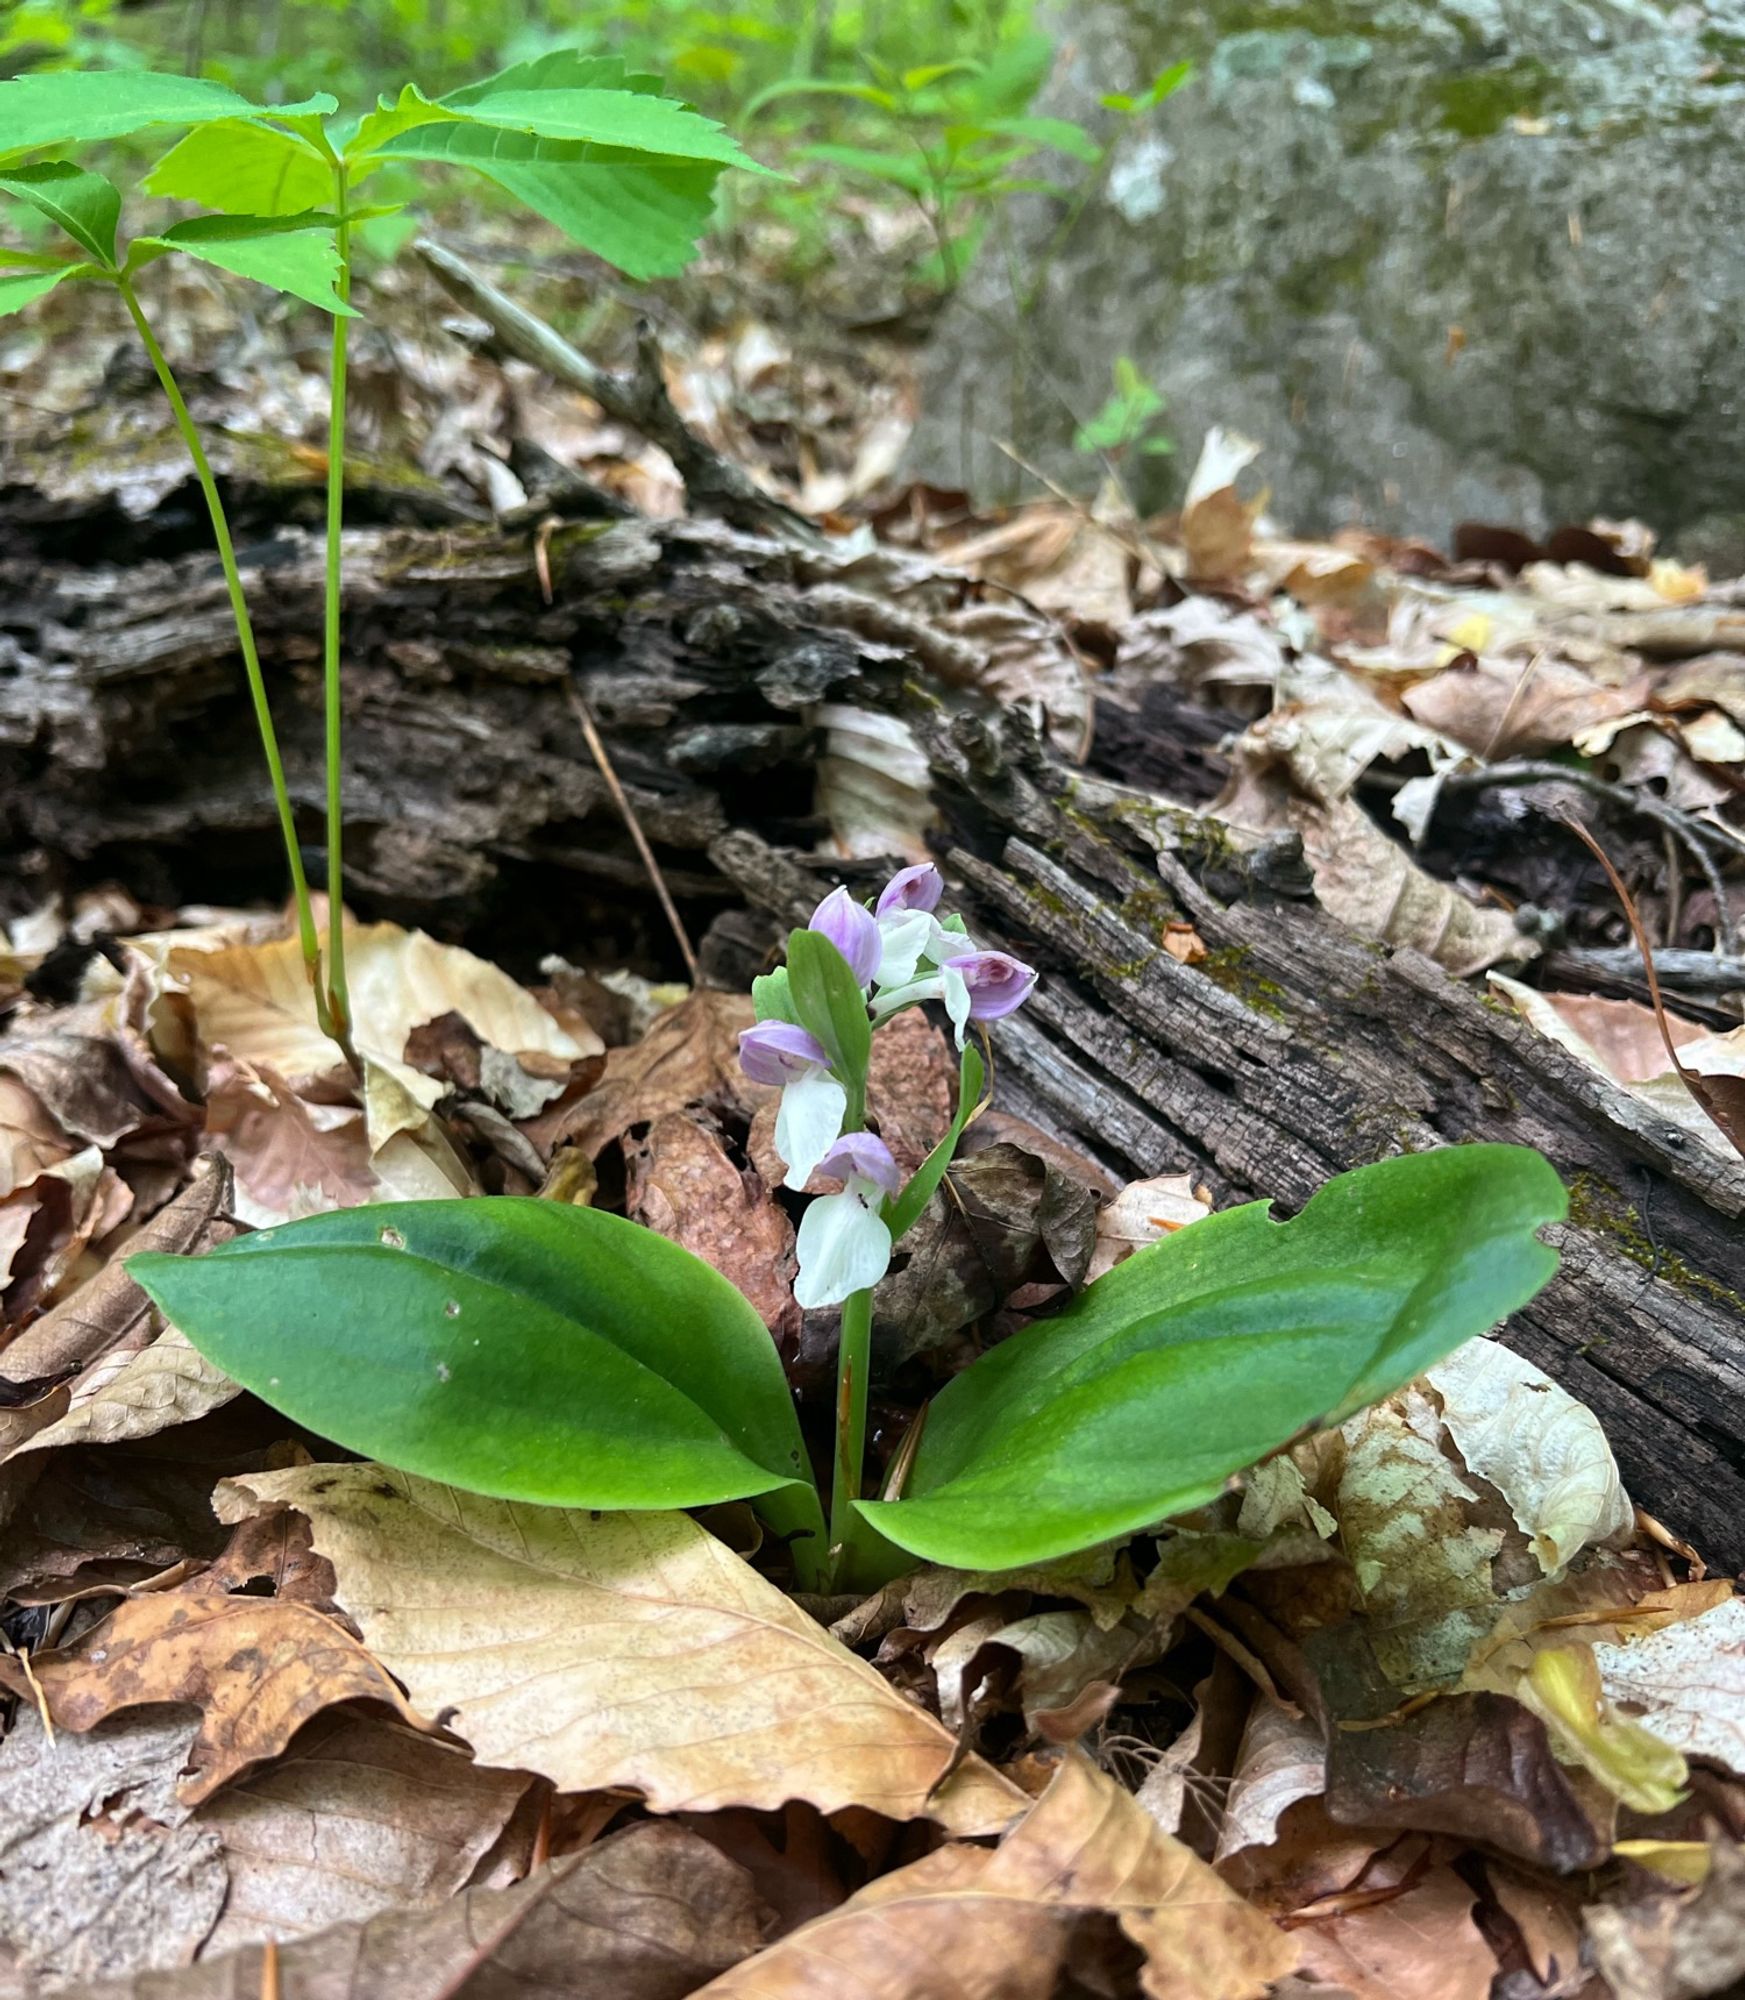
(1292, 1052)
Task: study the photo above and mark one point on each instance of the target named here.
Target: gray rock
(1447, 259)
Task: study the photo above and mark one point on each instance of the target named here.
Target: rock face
(1447, 259)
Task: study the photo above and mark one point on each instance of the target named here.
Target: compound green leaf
(16, 293)
(55, 107)
(519, 1348)
(631, 120)
(638, 211)
(1206, 1352)
(391, 117)
(243, 169)
(294, 253)
(84, 205)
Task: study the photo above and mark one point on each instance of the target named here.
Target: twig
(1690, 971)
(621, 799)
(714, 484)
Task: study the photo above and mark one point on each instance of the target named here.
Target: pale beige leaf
(30, 1140)
(291, 1158)
(137, 1394)
(254, 1002)
(1283, 1758)
(1541, 1449)
(612, 1650)
(1144, 1212)
(1217, 524)
(356, 1818)
(1686, 1683)
(1676, 1947)
(1374, 887)
(974, 1924)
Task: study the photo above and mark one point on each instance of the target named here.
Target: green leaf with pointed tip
(905, 1211)
(293, 253)
(1204, 1353)
(557, 69)
(525, 1349)
(55, 107)
(639, 212)
(16, 293)
(828, 1002)
(85, 206)
(392, 116)
(631, 120)
(243, 169)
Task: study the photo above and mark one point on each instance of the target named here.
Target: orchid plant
(541, 1352)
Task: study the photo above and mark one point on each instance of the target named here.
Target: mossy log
(1293, 1050)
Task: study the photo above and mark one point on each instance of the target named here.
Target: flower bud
(854, 931)
(917, 888)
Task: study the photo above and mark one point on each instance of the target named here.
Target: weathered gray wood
(1292, 1052)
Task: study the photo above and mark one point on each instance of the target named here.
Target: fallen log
(1290, 1051)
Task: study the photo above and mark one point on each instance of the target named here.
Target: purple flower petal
(917, 888)
(778, 1052)
(998, 983)
(863, 1156)
(854, 931)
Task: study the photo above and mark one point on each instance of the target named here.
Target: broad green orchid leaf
(1204, 1353)
(525, 1349)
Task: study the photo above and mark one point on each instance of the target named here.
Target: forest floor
(1428, 1708)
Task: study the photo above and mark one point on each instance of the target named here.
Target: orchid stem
(338, 993)
(245, 639)
(853, 1361)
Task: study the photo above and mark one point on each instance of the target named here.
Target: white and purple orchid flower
(844, 1244)
(900, 953)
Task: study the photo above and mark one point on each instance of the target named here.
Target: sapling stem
(257, 686)
(338, 992)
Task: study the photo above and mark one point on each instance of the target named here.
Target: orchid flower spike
(813, 1104)
(844, 1243)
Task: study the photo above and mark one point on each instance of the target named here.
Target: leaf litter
(1420, 1710)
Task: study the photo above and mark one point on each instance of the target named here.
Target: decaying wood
(1292, 1051)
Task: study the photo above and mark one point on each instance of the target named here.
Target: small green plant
(544, 1353)
(624, 171)
(955, 137)
(1128, 422)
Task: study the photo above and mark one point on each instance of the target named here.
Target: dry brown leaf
(30, 1140)
(1371, 884)
(680, 1182)
(1217, 525)
(1543, 1451)
(1512, 706)
(972, 1924)
(357, 1818)
(648, 1914)
(109, 1315)
(1423, 1943)
(689, 1056)
(291, 1157)
(103, 1875)
(618, 1650)
(137, 1394)
(255, 1667)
